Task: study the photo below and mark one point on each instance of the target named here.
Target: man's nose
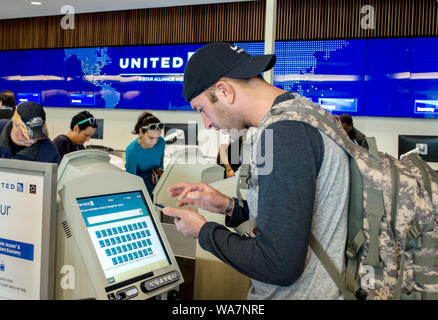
(207, 122)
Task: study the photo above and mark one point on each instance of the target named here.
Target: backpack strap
(355, 236)
(375, 209)
(244, 174)
(373, 154)
(395, 182)
(242, 181)
(312, 112)
(328, 264)
(415, 158)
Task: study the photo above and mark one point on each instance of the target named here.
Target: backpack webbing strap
(375, 210)
(426, 179)
(412, 234)
(398, 286)
(244, 171)
(352, 282)
(354, 246)
(395, 182)
(328, 264)
(355, 235)
(425, 279)
(242, 181)
(375, 206)
(322, 118)
(424, 242)
(426, 261)
(373, 154)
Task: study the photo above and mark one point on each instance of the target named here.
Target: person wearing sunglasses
(82, 127)
(145, 155)
(25, 136)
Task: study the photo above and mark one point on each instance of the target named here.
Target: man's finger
(196, 195)
(185, 202)
(176, 189)
(177, 186)
(187, 190)
(174, 212)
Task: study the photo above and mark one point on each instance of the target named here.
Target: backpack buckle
(277, 111)
(414, 231)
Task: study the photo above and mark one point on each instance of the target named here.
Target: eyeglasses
(91, 120)
(154, 126)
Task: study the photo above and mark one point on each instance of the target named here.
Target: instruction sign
(21, 216)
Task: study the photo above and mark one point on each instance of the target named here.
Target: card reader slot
(128, 282)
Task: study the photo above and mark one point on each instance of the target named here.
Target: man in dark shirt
(355, 135)
(25, 137)
(299, 181)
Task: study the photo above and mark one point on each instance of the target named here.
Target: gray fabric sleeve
(286, 197)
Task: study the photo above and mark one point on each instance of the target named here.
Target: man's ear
(76, 129)
(225, 91)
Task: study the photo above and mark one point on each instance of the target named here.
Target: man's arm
(239, 214)
(285, 207)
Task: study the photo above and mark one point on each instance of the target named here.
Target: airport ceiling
(10, 9)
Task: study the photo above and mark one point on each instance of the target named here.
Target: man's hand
(187, 221)
(200, 195)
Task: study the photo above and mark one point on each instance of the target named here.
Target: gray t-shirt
(307, 190)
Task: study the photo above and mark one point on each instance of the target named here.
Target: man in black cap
(25, 136)
(298, 181)
(355, 135)
(7, 104)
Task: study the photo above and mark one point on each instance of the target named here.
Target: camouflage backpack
(392, 240)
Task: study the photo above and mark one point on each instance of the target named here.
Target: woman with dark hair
(82, 127)
(145, 155)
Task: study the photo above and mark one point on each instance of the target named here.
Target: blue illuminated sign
(367, 77)
(24, 97)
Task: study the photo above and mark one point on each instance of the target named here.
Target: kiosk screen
(124, 235)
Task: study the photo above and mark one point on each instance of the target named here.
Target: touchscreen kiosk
(110, 245)
(187, 165)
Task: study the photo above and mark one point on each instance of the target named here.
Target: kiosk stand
(110, 243)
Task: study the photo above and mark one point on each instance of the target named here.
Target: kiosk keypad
(126, 243)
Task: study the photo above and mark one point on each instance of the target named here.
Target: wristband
(230, 206)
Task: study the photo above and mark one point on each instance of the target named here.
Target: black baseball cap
(31, 118)
(218, 59)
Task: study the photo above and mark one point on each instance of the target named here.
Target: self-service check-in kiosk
(110, 244)
(187, 165)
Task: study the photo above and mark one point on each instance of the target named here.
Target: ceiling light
(36, 3)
